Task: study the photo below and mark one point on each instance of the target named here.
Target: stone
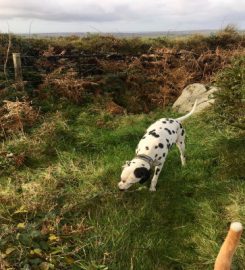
(186, 100)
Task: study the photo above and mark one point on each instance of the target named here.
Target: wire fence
(41, 65)
(83, 63)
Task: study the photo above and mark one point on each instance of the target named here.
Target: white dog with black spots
(152, 151)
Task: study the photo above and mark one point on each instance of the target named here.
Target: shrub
(15, 116)
(195, 42)
(62, 83)
(230, 102)
(227, 38)
(108, 43)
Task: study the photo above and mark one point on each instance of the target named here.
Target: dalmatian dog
(152, 151)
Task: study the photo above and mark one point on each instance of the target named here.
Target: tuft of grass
(62, 210)
(230, 104)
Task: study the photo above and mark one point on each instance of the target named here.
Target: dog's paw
(152, 189)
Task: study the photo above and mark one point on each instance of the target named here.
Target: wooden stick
(18, 71)
(17, 67)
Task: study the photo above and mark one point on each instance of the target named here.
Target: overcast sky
(43, 16)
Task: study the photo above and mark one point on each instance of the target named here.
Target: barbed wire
(37, 67)
(106, 54)
(79, 61)
(73, 55)
(29, 81)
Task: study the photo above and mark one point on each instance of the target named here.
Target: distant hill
(127, 34)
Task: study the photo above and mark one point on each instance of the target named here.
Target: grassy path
(61, 209)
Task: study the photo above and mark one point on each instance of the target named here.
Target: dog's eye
(127, 164)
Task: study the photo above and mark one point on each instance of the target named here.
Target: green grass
(61, 208)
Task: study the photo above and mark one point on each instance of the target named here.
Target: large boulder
(204, 96)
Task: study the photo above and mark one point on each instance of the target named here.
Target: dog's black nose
(121, 189)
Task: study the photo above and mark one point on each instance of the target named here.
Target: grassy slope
(70, 213)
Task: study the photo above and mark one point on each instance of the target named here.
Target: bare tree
(7, 55)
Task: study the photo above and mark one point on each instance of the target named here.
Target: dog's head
(134, 171)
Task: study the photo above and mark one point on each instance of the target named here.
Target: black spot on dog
(173, 131)
(143, 137)
(157, 171)
(160, 145)
(159, 158)
(169, 131)
(167, 140)
(143, 165)
(142, 173)
(183, 132)
(154, 134)
(156, 155)
(164, 122)
(156, 147)
(147, 148)
(164, 154)
(171, 121)
(180, 126)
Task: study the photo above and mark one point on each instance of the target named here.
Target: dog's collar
(148, 159)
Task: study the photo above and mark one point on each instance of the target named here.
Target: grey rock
(186, 100)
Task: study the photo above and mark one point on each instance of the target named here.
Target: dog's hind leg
(181, 146)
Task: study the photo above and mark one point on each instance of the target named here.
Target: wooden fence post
(18, 71)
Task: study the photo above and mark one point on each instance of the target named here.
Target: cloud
(127, 15)
(66, 10)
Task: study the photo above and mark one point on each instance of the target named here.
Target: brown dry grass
(66, 84)
(113, 108)
(158, 78)
(15, 115)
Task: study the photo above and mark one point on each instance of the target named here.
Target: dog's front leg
(155, 177)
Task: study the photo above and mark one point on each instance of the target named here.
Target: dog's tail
(180, 119)
(227, 250)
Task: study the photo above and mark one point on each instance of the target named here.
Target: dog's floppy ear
(143, 174)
